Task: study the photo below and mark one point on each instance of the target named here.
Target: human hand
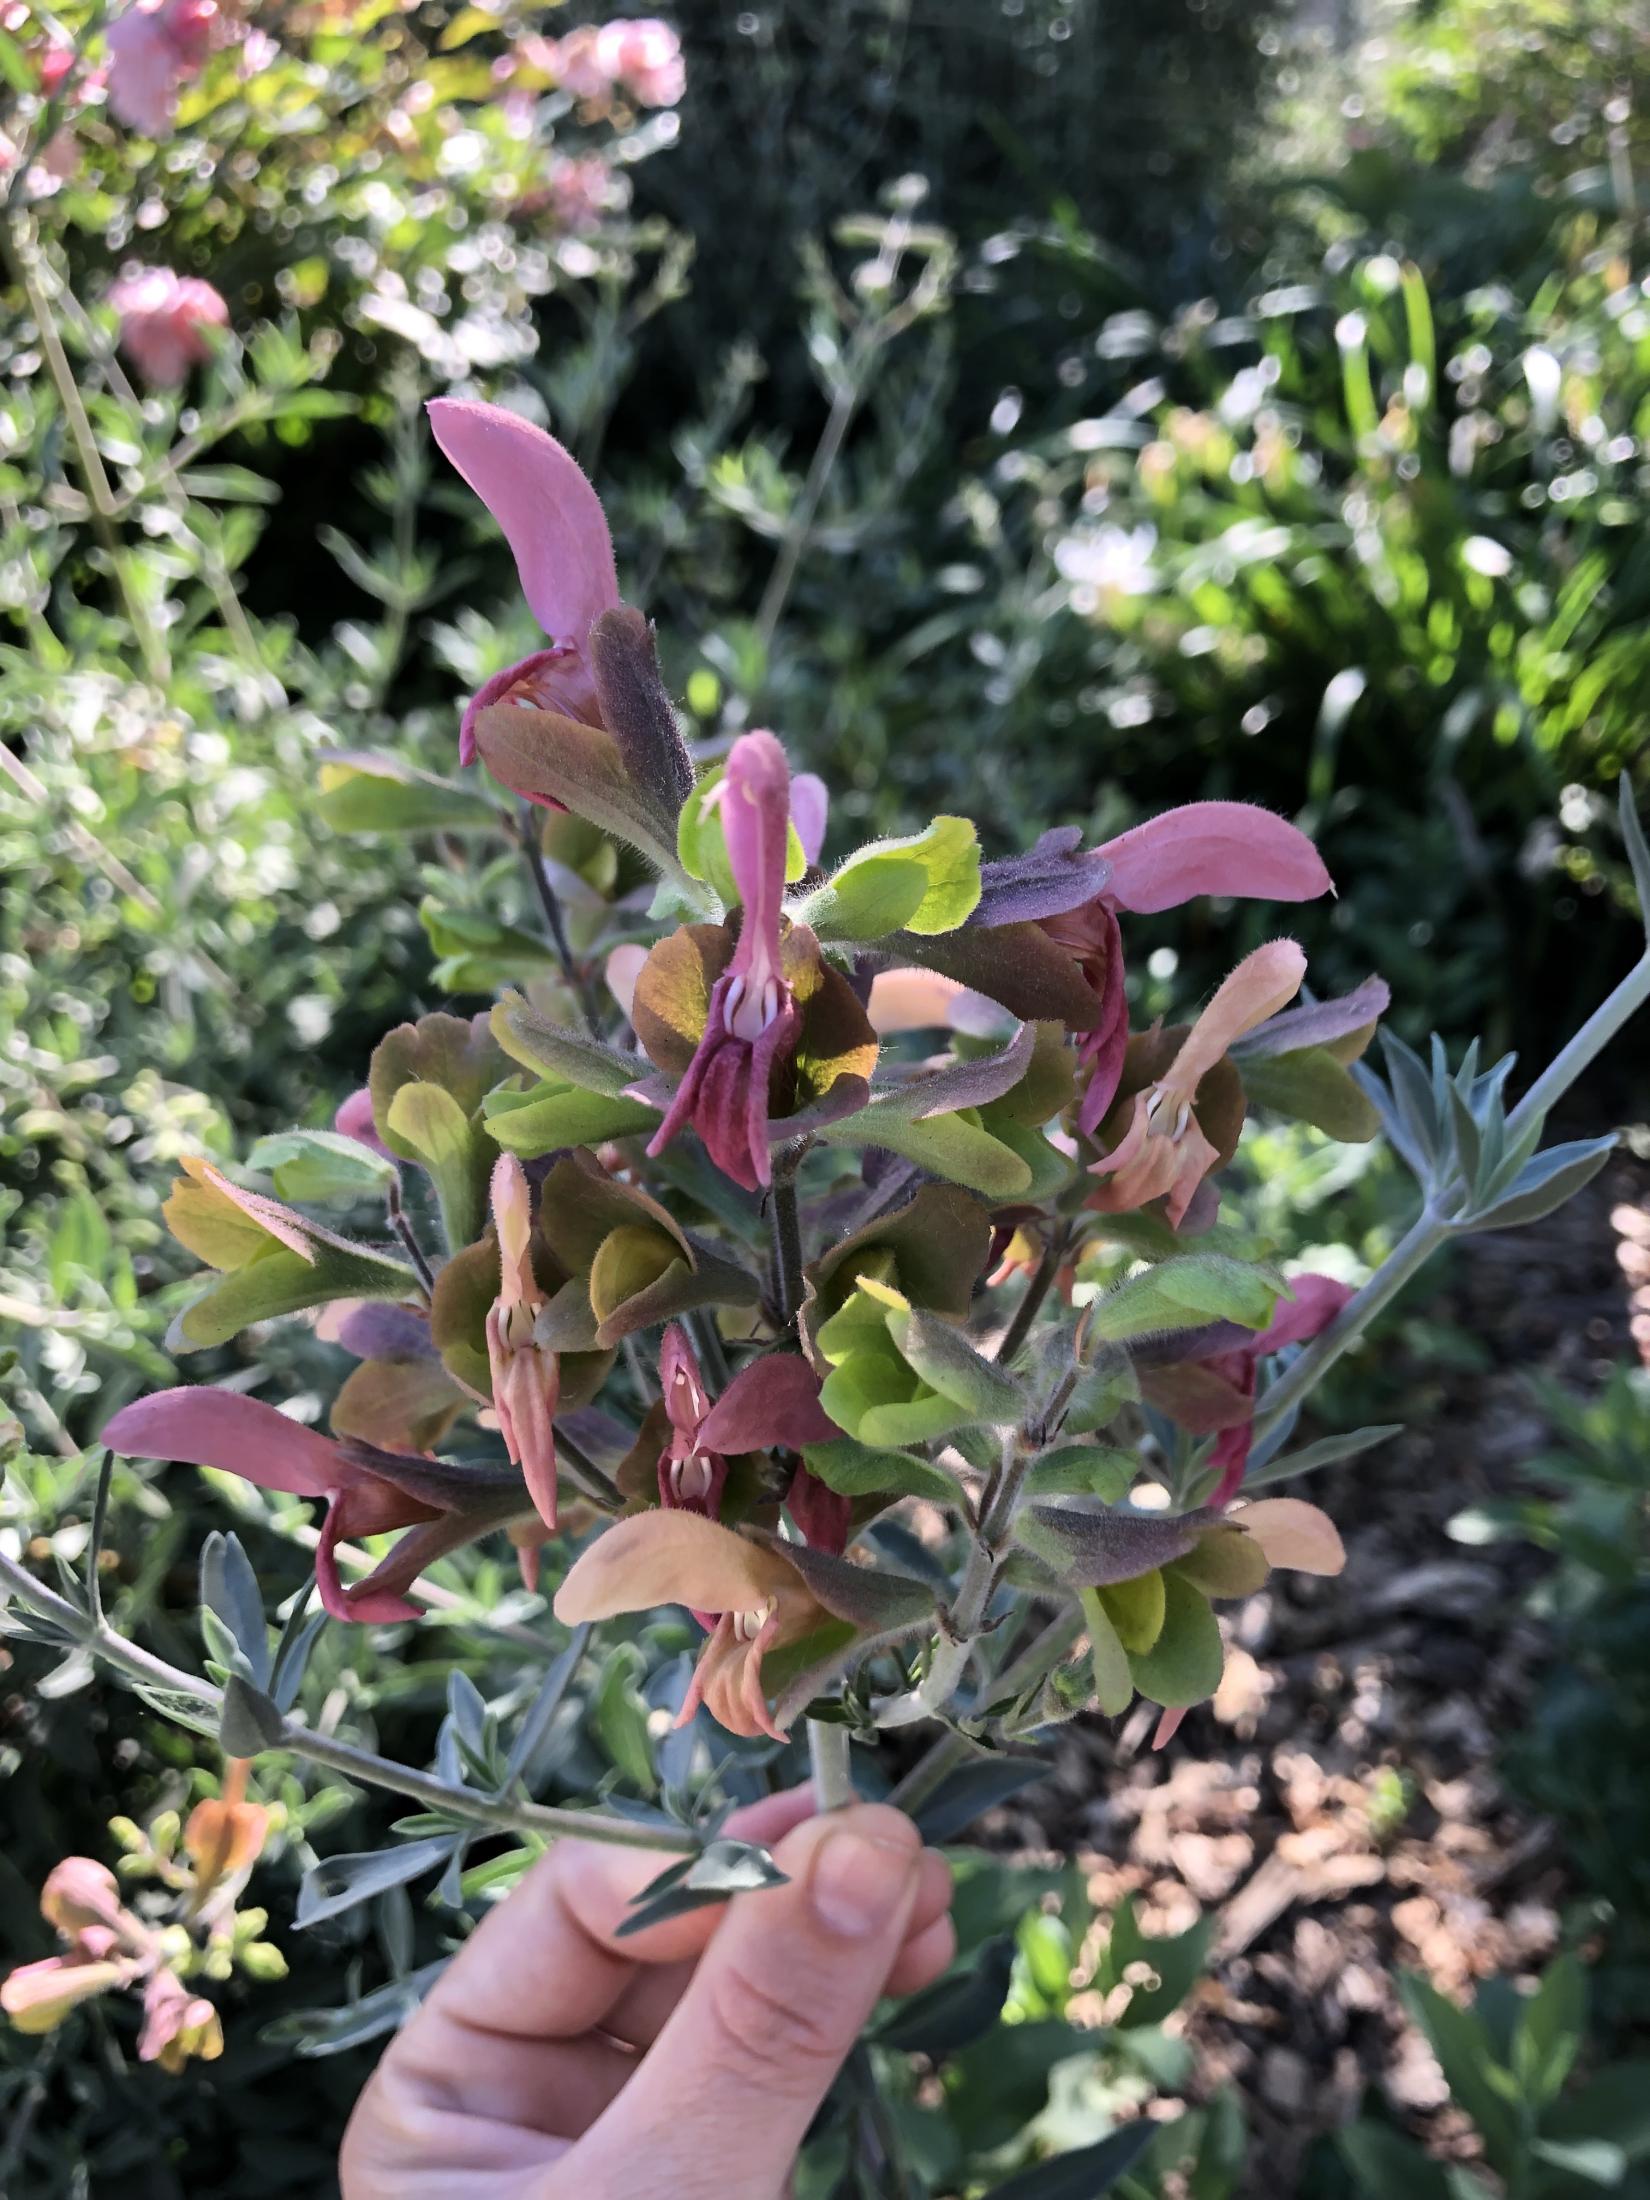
(553, 2061)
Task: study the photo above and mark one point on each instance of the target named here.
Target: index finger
(547, 1963)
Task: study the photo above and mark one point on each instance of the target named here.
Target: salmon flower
(760, 1597)
(165, 322)
(177, 2024)
(1162, 1151)
(366, 1491)
(558, 536)
(107, 1947)
(526, 1375)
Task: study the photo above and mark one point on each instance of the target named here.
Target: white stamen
(748, 1625)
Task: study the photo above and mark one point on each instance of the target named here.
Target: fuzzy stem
(549, 902)
(1030, 1306)
(943, 1756)
(828, 1759)
(787, 1249)
(326, 1750)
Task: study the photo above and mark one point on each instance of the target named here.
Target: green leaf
(1328, 1451)
(620, 1717)
(1638, 851)
(1084, 1470)
(1551, 2028)
(229, 1588)
(928, 883)
(538, 754)
(1470, 2071)
(1310, 1086)
(360, 791)
(1113, 1682)
(948, 1363)
(1186, 1293)
(855, 1470)
(957, 2009)
(322, 1167)
(339, 1883)
(1085, 2174)
(702, 847)
(1176, 1962)
(723, 1869)
(952, 1146)
(563, 1056)
(1542, 1185)
(250, 1723)
(554, 1115)
(1385, 2162)
(426, 1123)
(1184, 1665)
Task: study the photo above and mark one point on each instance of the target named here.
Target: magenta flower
(165, 319)
(365, 1491)
(557, 532)
(153, 48)
(772, 1402)
(753, 1023)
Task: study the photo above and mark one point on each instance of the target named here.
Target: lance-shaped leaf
(925, 884)
(553, 1115)
(1186, 1293)
(945, 1360)
(548, 758)
(1541, 1185)
(1015, 964)
(1092, 1546)
(1054, 876)
(934, 1119)
(427, 1082)
(271, 1259)
(1309, 1085)
(635, 708)
(640, 1264)
(363, 791)
(557, 1054)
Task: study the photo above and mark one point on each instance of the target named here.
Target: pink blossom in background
(153, 48)
(165, 319)
(641, 58)
(581, 190)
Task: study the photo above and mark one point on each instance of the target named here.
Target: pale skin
(553, 2061)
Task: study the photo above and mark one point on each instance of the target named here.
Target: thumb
(730, 2086)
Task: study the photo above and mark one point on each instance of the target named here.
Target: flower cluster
(162, 1952)
(167, 322)
(791, 1164)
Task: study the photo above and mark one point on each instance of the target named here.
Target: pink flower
(164, 319)
(644, 58)
(177, 2024)
(153, 48)
(1229, 848)
(366, 1491)
(554, 524)
(355, 1119)
(753, 1023)
(38, 1996)
(772, 1402)
(580, 192)
(1163, 1152)
(526, 1375)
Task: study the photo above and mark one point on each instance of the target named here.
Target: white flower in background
(1115, 561)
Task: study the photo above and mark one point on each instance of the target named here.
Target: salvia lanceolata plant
(817, 1246)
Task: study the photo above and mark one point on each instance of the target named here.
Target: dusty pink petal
(681, 1385)
(1213, 848)
(1168, 1726)
(1317, 1301)
(550, 515)
(754, 800)
(80, 1892)
(624, 967)
(658, 1558)
(550, 679)
(773, 1401)
(241, 1435)
(38, 1996)
(355, 1119)
(1293, 1534)
(1103, 1049)
(1260, 985)
(911, 1000)
(810, 812)
(369, 1508)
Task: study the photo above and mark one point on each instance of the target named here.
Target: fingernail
(858, 1883)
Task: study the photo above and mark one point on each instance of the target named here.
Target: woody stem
(502, 1814)
(944, 1755)
(828, 1759)
(549, 902)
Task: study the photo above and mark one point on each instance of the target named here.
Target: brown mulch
(1339, 1804)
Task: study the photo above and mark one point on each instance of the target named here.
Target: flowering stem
(828, 1759)
(555, 923)
(1031, 1305)
(404, 1231)
(787, 1249)
(504, 1816)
